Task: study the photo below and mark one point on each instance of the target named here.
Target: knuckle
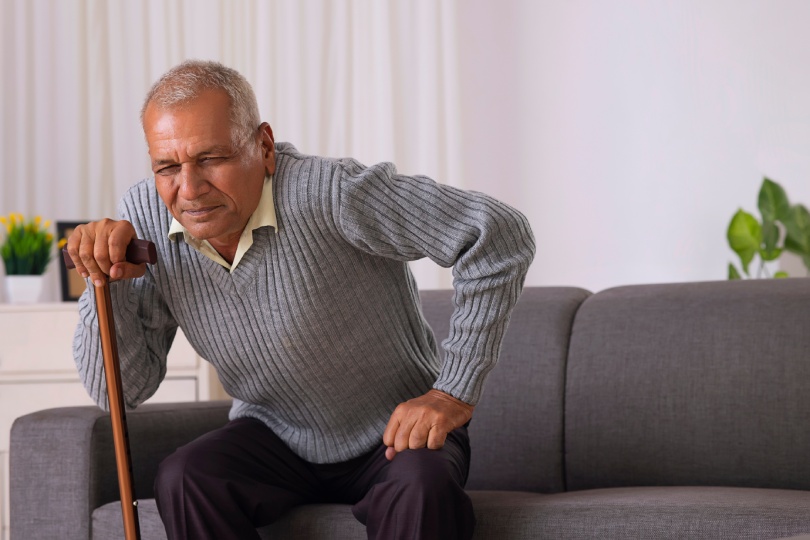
(100, 252)
(435, 445)
(401, 441)
(417, 442)
(85, 251)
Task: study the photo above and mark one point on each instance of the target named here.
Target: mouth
(198, 213)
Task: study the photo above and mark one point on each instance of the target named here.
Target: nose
(192, 182)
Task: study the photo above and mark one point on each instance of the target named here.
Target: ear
(268, 148)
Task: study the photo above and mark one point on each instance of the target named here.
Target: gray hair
(188, 80)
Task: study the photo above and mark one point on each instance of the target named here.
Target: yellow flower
(28, 247)
(47, 224)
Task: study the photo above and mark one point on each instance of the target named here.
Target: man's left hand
(424, 421)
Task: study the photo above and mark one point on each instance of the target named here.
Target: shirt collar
(263, 216)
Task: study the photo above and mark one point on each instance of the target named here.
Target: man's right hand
(99, 248)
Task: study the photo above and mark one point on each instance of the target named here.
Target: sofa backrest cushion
(516, 430)
(691, 384)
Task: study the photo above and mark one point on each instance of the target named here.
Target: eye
(168, 170)
(211, 160)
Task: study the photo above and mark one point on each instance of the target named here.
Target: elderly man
(288, 273)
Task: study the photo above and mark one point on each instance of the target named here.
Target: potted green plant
(26, 251)
(784, 227)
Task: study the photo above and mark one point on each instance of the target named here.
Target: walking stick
(138, 252)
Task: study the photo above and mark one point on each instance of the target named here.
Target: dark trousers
(231, 481)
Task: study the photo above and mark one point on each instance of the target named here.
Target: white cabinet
(37, 372)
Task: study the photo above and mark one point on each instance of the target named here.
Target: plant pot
(23, 289)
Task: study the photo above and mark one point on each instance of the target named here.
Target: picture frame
(71, 283)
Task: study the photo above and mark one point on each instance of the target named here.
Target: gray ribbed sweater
(318, 332)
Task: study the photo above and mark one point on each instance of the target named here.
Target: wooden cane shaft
(115, 396)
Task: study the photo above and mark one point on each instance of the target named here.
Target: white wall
(628, 131)
(335, 77)
(635, 129)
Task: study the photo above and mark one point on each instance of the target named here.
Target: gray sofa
(649, 411)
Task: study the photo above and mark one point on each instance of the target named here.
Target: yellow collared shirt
(265, 215)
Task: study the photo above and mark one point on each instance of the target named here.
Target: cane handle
(138, 252)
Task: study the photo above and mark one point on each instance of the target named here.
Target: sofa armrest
(62, 463)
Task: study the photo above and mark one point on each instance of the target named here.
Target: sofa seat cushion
(312, 521)
(714, 513)
(644, 512)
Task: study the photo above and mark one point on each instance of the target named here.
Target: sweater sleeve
(144, 333)
(489, 245)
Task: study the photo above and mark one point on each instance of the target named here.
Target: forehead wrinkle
(191, 151)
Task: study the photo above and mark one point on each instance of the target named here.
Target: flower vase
(23, 289)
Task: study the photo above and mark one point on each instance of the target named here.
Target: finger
(419, 435)
(437, 437)
(74, 240)
(127, 270)
(390, 453)
(403, 435)
(87, 255)
(101, 249)
(120, 235)
(391, 429)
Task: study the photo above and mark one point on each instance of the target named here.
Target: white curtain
(375, 80)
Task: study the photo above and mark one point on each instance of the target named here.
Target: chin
(201, 231)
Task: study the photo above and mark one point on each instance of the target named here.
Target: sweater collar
(263, 216)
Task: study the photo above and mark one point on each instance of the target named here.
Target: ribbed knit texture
(319, 332)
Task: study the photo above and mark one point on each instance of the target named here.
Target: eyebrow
(216, 149)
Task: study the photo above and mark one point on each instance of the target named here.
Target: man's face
(209, 185)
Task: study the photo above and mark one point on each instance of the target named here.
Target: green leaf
(781, 274)
(773, 201)
(772, 255)
(792, 245)
(770, 237)
(732, 272)
(797, 224)
(744, 236)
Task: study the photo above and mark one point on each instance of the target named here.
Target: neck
(227, 250)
